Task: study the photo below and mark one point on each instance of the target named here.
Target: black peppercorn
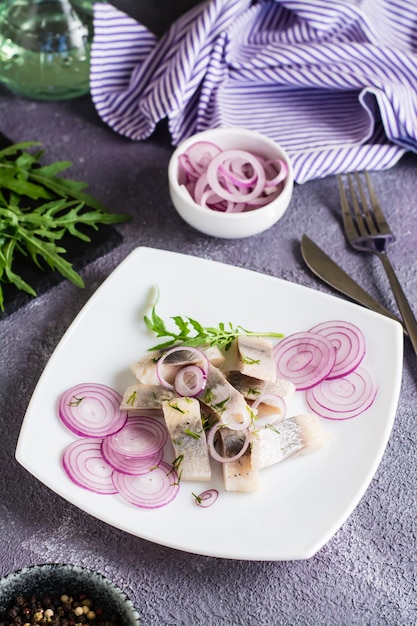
(62, 610)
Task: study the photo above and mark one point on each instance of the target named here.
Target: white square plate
(303, 501)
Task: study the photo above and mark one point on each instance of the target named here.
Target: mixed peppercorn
(61, 610)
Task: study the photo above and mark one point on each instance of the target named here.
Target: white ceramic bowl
(230, 225)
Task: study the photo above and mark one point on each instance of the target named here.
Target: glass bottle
(45, 47)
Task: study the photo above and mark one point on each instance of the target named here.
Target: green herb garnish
(189, 332)
(247, 360)
(271, 427)
(76, 401)
(198, 499)
(37, 208)
(131, 399)
(176, 408)
(191, 433)
(175, 468)
(221, 406)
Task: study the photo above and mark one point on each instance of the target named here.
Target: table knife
(325, 268)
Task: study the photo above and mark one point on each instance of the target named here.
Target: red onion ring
(201, 358)
(190, 381)
(304, 358)
(129, 464)
(85, 466)
(92, 410)
(211, 201)
(233, 170)
(345, 397)
(241, 179)
(201, 189)
(201, 153)
(235, 420)
(213, 176)
(206, 498)
(213, 452)
(271, 418)
(141, 436)
(349, 343)
(280, 170)
(148, 491)
(263, 200)
(187, 170)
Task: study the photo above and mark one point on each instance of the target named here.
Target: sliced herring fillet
(251, 388)
(141, 396)
(220, 396)
(295, 435)
(144, 370)
(214, 355)
(185, 427)
(237, 475)
(251, 356)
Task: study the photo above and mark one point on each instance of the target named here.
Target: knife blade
(327, 270)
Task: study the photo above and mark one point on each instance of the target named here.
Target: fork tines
(360, 207)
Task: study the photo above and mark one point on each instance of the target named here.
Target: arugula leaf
(9, 179)
(33, 227)
(221, 335)
(67, 188)
(16, 148)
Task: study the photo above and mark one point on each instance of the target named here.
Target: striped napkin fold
(334, 82)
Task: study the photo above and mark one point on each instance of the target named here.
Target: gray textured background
(366, 574)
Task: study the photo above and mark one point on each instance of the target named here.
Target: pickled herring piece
(295, 435)
(251, 388)
(185, 427)
(141, 396)
(239, 475)
(145, 370)
(223, 399)
(251, 356)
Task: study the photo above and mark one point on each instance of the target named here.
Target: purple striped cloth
(335, 83)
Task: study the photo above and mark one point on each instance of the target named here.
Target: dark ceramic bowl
(56, 578)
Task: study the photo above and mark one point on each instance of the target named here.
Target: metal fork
(367, 230)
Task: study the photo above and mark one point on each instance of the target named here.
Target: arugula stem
(222, 335)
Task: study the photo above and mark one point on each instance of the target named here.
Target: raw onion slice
(212, 449)
(201, 153)
(279, 170)
(199, 357)
(264, 199)
(141, 436)
(270, 408)
(230, 181)
(92, 410)
(235, 420)
(148, 491)
(304, 358)
(206, 498)
(240, 194)
(129, 464)
(237, 172)
(202, 189)
(83, 462)
(187, 171)
(190, 381)
(345, 397)
(349, 343)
